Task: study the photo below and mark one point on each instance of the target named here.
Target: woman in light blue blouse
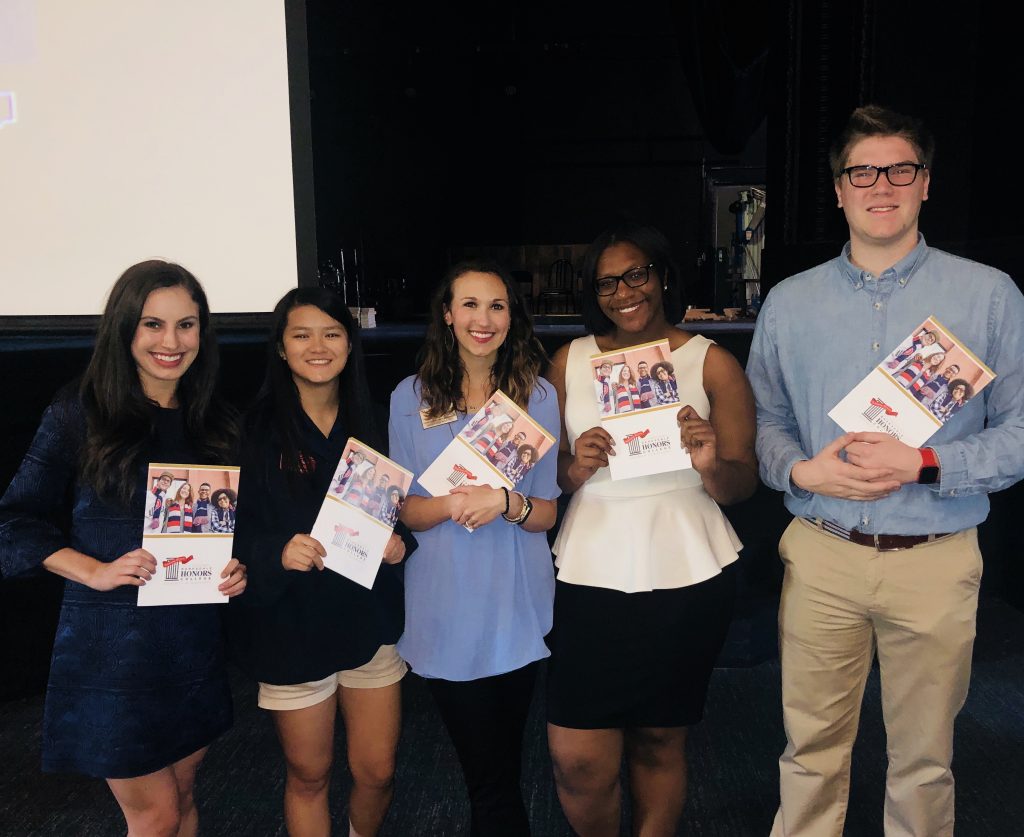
(479, 589)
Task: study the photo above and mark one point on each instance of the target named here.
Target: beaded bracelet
(524, 512)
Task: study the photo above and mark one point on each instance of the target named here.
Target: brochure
(637, 400)
(188, 527)
(360, 511)
(923, 383)
(497, 447)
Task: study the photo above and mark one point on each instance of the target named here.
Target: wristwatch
(929, 473)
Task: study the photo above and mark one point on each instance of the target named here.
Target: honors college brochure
(189, 526)
(923, 383)
(637, 400)
(497, 447)
(359, 511)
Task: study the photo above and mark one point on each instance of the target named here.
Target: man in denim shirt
(883, 552)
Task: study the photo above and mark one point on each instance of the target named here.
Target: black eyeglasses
(898, 174)
(634, 278)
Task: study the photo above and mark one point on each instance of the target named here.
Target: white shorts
(385, 669)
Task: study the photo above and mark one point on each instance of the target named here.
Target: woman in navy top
(135, 694)
(479, 589)
(319, 644)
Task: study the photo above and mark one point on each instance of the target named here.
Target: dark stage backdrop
(955, 70)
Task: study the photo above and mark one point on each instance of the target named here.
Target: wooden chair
(559, 291)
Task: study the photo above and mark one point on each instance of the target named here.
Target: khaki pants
(839, 602)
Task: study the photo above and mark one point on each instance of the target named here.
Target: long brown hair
(516, 368)
(120, 418)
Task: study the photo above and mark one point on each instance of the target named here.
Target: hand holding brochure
(923, 383)
(497, 447)
(637, 400)
(360, 511)
(188, 527)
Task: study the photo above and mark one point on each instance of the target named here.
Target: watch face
(928, 475)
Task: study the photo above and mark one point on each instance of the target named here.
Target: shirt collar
(902, 272)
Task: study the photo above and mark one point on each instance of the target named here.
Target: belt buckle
(879, 548)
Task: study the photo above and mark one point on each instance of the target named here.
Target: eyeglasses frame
(622, 278)
(918, 168)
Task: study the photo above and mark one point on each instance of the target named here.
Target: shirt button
(903, 281)
(874, 346)
(878, 306)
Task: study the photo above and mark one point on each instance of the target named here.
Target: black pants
(485, 719)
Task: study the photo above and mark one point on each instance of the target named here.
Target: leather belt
(882, 543)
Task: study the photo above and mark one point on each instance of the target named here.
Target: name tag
(446, 418)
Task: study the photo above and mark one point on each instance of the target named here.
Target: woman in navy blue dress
(136, 694)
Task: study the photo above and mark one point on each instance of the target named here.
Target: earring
(449, 338)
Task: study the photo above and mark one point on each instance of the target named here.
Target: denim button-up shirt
(820, 332)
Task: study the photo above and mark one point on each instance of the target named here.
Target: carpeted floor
(732, 761)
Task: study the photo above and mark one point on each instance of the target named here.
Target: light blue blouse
(477, 603)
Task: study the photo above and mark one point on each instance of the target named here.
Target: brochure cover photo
(360, 510)
(188, 526)
(919, 386)
(637, 400)
(497, 447)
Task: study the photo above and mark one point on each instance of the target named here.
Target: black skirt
(623, 660)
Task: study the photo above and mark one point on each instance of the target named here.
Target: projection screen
(138, 129)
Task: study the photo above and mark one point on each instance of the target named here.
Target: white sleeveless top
(646, 533)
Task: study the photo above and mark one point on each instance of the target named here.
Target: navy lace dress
(131, 690)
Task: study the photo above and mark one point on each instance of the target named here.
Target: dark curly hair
(531, 449)
(224, 492)
(516, 368)
(960, 382)
(662, 364)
